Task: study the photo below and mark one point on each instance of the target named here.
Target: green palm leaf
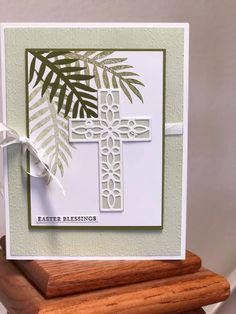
(125, 90)
(32, 67)
(114, 71)
(54, 54)
(87, 73)
(62, 77)
(114, 81)
(62, 88)
(49, 129)
(96, 77)
(105, 78)
(102, 54)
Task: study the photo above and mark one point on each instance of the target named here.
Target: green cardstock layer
(23, 242)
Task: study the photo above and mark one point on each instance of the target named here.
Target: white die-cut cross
(109, 130)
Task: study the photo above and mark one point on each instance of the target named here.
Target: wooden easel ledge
(97, 287)
(82, 276)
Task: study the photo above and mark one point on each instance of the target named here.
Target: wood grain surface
(198, 311)
(56, 278)
(177, 294)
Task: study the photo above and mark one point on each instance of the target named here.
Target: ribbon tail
(55, 178)
(34, 152)
(49, 174)
(12, 137)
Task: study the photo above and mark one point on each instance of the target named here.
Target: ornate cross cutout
(109, 130)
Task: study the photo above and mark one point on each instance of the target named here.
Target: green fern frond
(64, 77)
(114, 72)
(63, 84)
(49, 129)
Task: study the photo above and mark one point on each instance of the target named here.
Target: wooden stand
(102, 287)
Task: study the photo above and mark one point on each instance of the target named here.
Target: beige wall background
(212, 108)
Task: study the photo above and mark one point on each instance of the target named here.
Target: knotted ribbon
(12, 137)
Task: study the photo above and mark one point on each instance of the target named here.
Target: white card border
(185, 26)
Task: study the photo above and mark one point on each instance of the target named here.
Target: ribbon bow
(12, 137)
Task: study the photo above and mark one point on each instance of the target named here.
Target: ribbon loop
(12, 137)
(23, 139)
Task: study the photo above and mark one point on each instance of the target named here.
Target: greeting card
(95, 140)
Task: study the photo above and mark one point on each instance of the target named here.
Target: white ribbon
(12, 137)
(174, 128)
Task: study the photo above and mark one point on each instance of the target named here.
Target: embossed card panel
(95, 124)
